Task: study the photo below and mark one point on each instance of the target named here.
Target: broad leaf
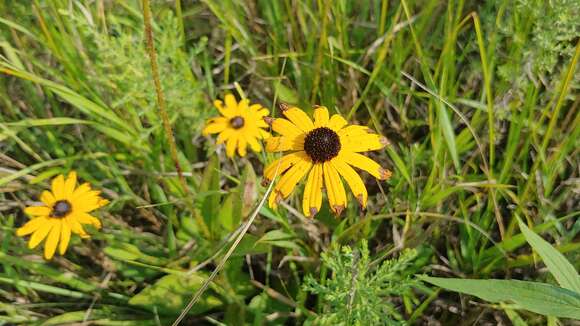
(171, 293)
(544, 299)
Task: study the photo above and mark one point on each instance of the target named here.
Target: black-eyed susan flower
(241, 125)
(66, 208)
(326, 150)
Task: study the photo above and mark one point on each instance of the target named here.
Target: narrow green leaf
(448, 134)
(46, 122)
(69, 279)
(514, 317)
(544, 299)
(209, 194)
(557, 264)
(401, 166)
(44, 288)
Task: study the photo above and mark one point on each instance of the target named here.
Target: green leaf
(286, 94)
(47, 122)
(228, 216)
(448, 134)
(401, 166)
(108, 315)
(69, 279)
(209, 189)
(129, 252)
(513, 315)
(544, 299)
(557, 264)
(279, 238)
(248, 190)
(171, 293)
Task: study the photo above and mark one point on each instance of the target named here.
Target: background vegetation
(479, 99)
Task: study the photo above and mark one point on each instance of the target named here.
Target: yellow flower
(64, 211)
(240, 125)
(327, 148)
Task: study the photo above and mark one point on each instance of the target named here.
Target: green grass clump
(478, 99)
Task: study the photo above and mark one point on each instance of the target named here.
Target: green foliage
(545, 299)
(358, 294)
(540, 298)
(545, 33)
(555, 30)
(171, 292)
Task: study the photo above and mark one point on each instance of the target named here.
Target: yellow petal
(37, 210)
(89, 202)
(286, 128)
(361, 139)
(299, 118)
(242, 146)
(75, 226)
(354, 181)
(85, 218)
(364, 163)
(52, 240)
(58, 187)
(102, 202)
(31, 226)
(320, 116)
(89, 196)
(81, 191)
(225, 135)
(259, 111)
(260, 124)
(334, 188)
(254, 145)
(273, 199)
(70, 184)
(283, 164)
(264, 134)
(281, 144)
(232, 104)
(40, 233)
(64, 237)
(371, 142)
(312, 200)
(215, 125)
(289, 180)
(244, 107)
(222, 109)
(336, 122)
(355, 130)
(231, 145)
(47, 198)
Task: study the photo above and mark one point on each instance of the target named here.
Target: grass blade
(557, 264)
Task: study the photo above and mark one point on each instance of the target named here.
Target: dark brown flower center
(61, 209)
(237, 122)
(322, 144)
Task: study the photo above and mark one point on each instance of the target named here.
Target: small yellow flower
(240, 125)
(327, 148)
(65, 209)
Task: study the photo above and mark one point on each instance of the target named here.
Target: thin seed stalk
(159, 91)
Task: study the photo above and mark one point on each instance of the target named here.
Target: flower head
(65, 209)
(240, 125)
(326, 150)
